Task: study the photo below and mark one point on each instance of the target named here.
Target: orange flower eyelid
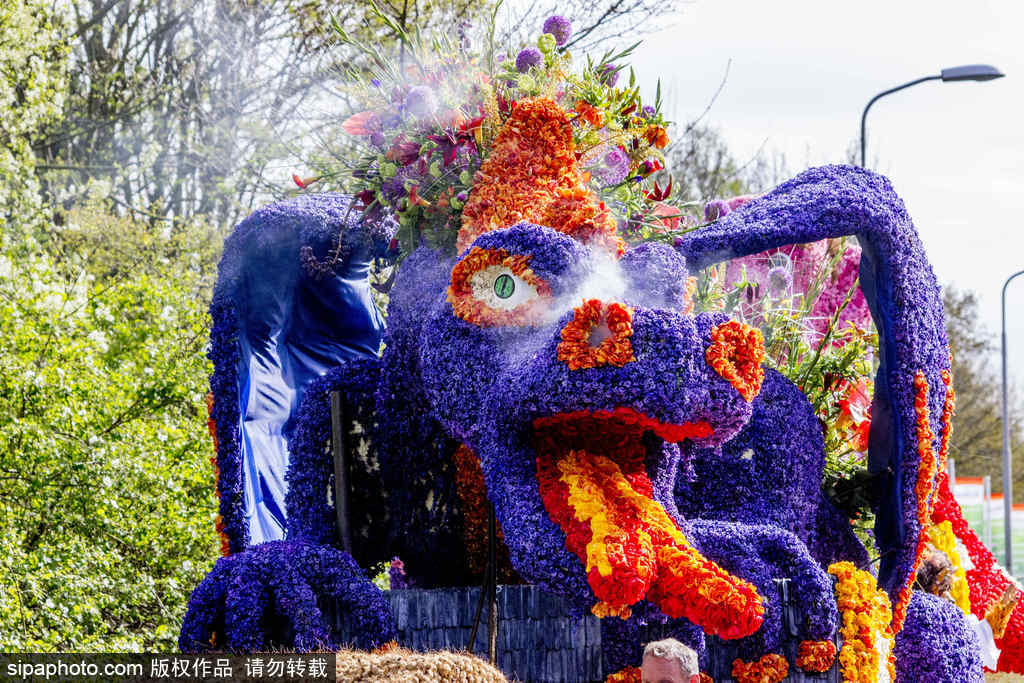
(464, 295)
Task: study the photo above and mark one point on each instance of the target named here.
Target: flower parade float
(543, 353)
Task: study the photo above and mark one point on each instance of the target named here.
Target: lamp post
(1007, 465)
(970, 72)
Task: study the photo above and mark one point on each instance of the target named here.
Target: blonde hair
(399, 665)
(672, 649)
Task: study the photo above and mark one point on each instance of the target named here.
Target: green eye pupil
(504, 286)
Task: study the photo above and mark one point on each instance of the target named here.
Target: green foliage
(106, 491)
(33, 57)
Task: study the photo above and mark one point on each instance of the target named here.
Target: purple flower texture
(937, 644)
(559, 27)
(715, 209)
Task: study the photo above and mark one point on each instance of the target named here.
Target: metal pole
(340, 472)
(1007, 464)
(986, 510)
(864, 116)
(492, 568)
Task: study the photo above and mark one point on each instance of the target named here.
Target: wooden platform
(537, 639)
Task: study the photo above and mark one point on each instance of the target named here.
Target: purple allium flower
(648, 112)
(528, 57)
(462, 196)
(609, 75)
(559, 27)
(614, 167)
(715, 209)
(780, 279)
(421, 102)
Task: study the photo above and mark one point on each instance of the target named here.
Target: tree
(976, 442)
(182, 108)
(594, 23)
(703, 167)
(33, 56)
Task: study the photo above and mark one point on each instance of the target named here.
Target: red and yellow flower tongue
(632, 549)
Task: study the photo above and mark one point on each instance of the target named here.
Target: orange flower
(358, 124)
(736, 353)
(657, 136)
(923, 489)
(590, 113)
(768, 669)
(631, 674)
(577, 348)
(531, 175)
(816, 656)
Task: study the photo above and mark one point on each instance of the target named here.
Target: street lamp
(970, 72)
(1007, 465)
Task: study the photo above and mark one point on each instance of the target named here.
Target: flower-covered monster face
(573, 377)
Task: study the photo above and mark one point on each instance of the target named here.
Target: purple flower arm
(903, 295)
(227, 610)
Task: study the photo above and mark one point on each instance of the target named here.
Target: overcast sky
(800, 75)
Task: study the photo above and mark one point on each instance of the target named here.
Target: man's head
(669, 661)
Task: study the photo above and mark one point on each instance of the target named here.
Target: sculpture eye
(500, 288)
(491, 287)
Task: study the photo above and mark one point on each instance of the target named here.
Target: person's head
(669, 661)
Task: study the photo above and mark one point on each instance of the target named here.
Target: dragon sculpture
(640, 460)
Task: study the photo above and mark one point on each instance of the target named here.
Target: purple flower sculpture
(533, 369)
(559, 27)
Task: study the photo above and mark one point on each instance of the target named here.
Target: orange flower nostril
(598, 334)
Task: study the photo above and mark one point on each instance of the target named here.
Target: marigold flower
(736, 353)
(770, 668)
(816, 656)
(577, 348)
(532, 174)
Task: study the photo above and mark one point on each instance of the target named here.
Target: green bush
(107, 497)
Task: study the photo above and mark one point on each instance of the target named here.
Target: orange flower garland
(926, 472)
(948, 408)
(736, 353)
(471, 309)
(616, 349)
(211, 424)
(532, 175)
(816, 656)
(768, 669)
(866, 630)
(469, 483)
